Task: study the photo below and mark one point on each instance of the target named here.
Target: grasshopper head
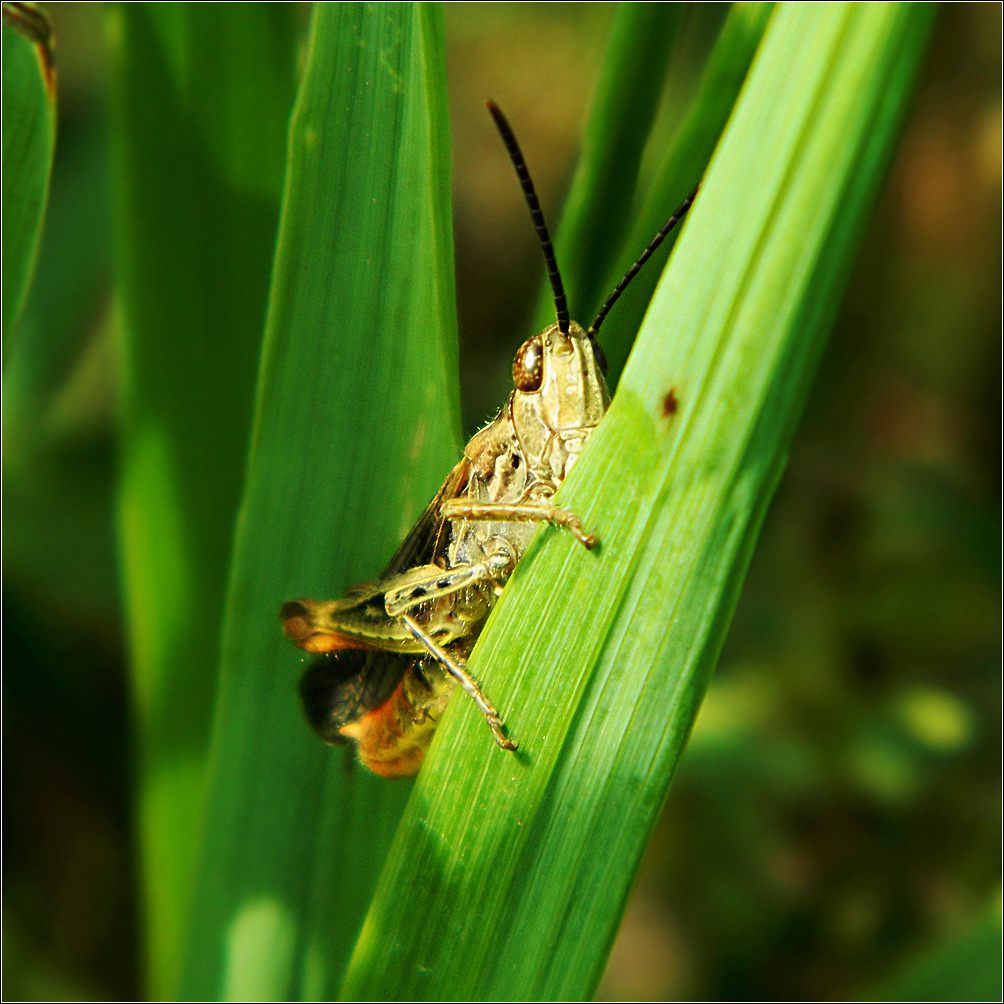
(559, 398)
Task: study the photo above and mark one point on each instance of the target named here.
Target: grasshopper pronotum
(394, 650)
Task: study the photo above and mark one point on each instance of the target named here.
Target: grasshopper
(392, 652)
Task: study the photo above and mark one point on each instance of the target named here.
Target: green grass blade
(71, 275)
(966, 967)
(682, 167)
(29, 137)
(201, 102)
(596, 212)
(598, 661)
(356, 426)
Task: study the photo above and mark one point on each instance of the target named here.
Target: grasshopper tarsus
(562, 517)
(504, 741)
(588, 540)
(495, 723)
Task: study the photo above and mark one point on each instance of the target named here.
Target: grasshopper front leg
(517, 512)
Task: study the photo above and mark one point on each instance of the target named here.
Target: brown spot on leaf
(670, 403)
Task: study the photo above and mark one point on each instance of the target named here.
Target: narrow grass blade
(29, 137)
(683, 165)
(56, 328)
(356, 426)
(201, 101)
(596, 212)
(966, 967)
(599, 660)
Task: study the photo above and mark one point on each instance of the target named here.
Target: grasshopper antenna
(529, 193)
(644, 257)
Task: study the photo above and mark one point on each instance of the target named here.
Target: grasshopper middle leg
(460, 674)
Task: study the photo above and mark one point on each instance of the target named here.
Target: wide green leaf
(201, 101)
(598, 661)
(356, 424)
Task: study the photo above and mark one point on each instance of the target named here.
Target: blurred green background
(837, 813)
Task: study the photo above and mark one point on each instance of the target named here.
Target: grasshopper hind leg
(459, 672)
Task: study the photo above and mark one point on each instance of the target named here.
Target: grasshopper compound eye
(528, 366)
